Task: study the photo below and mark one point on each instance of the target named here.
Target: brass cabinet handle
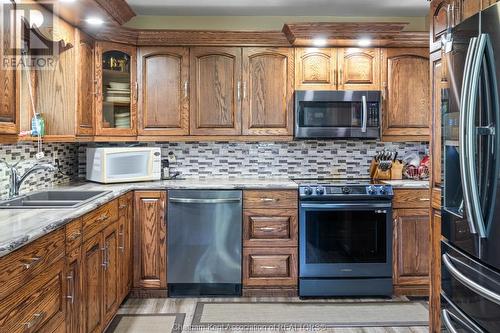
(102, 218)
(425, 199)
(75, 236)
(72, 296)
(268, 267)
(186, 84)
(122, 247)
(30, 262)
(267, 229)
(269, 200)
(37, 317)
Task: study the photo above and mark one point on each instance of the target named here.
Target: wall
(257, 23)
(25, 152)
(338, 159)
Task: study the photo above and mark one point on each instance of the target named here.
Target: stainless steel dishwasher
(204, 242)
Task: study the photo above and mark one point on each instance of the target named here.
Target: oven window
(330, 114)
(345, 237)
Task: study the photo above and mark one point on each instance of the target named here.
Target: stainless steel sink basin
(52, 199)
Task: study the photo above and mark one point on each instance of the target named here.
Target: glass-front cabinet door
(116, 80)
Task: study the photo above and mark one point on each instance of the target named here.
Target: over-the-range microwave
(337, 114)
(121, 165)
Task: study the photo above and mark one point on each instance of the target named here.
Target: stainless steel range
(345, 238)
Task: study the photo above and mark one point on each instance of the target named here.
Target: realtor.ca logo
(27, 35)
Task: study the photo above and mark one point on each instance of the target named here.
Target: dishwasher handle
(204, 201)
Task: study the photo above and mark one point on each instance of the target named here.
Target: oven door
(345, 239)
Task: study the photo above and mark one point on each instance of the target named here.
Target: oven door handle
(345, 205)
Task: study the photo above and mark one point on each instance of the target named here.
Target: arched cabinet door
(359, 69)
(267, 91)
(405, 92)
(163, 91)
(315, 68)
(116, 89)
(215, 84)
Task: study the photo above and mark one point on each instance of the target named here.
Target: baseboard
(269, 292)
(148, 293)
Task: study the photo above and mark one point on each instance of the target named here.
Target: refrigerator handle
(475, 214)
(463, 124)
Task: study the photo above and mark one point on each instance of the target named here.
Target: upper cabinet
(9, 118)
(267, 94)
(163, 91)
(441, 17)
(315, 69)
(117, 91)
(216, 91)
(468, 8)
(237, 91)
(405, 78)
(86, 87)
(337, 69)
(359, 69)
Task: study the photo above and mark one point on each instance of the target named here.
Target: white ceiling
(280, 7)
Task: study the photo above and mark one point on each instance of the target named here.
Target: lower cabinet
(126, 216)
(74, 306)
(150, 241)
(270, 245)
(411, 244)
(92, 276)
(110, 271)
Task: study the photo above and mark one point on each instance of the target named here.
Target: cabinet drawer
(99, 219)
(124, 203)
(270, 227)
(74, 235)
(25, 264)
(270, 199)
(411, 198)
(267, 267)
(36, 307)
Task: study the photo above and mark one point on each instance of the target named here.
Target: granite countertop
(19, 227)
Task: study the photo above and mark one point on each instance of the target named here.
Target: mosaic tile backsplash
(67, 154)
(338, 159)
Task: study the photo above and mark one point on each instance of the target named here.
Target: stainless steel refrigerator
(470, 291)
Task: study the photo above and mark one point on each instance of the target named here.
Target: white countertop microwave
(122, 165)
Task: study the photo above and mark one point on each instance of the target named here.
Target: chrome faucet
(17, 180)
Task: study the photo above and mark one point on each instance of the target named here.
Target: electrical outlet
(171, 157)
(54, 157)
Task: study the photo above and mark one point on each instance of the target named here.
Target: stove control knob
(346, 190)
(320, 190)
(308, 190)
(383, 190)
(372, 190)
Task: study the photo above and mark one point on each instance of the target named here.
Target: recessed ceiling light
(319, 42)
(67, 0)
(94, 21)
(363, 42)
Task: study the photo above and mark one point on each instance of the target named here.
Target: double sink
(52, 199)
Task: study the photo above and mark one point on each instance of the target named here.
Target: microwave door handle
(471, 142)
(462, 142)
(365, 115)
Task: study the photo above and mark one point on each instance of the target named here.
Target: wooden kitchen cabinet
(359, 69)
(93, 288)
(9, 117)
(111, 271)
(468, 8)
(438, 83)
(74, 290)
(164, 91)
(406, 107)
(267, 91)
(270, 243)
(315, 68)
(117, 89)
(411, 251)
(126, 217)
(150, 240)
(86, 85)
(215, 90)
(441, 15)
